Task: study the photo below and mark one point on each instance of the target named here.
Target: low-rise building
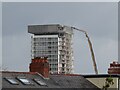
(101, 80)
(34, 80)
(39, 78)
(113, 75)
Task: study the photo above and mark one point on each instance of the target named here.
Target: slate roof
(55, 81)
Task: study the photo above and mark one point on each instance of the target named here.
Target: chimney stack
(114, 68)
(40, 65)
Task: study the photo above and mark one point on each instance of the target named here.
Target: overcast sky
(100, 20)
(0, 34)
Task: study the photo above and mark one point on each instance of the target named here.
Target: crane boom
(91, 49)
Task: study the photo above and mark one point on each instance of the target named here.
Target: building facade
(100, 80)
(55, 42)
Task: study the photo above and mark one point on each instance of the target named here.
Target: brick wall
(40, 65)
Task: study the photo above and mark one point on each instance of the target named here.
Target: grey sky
(0, 34)
(100, 20)
(60, 1)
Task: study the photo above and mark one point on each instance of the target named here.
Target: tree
(109, 81)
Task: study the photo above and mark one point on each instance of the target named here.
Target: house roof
(54, 81)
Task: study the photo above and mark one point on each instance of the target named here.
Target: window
(40, 82)
(24, 80)
(12, 81)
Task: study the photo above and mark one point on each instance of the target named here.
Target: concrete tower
(55, 42)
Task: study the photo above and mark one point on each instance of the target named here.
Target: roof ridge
(67, 74)
(18, 72)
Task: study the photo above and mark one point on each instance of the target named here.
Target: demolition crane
(91, 49)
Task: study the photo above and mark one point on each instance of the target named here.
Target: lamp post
(90, 46)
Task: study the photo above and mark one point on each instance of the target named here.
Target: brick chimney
(114, 68)
(40, 65)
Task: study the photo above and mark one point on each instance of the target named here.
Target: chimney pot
(40, 65)
(114, 68)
